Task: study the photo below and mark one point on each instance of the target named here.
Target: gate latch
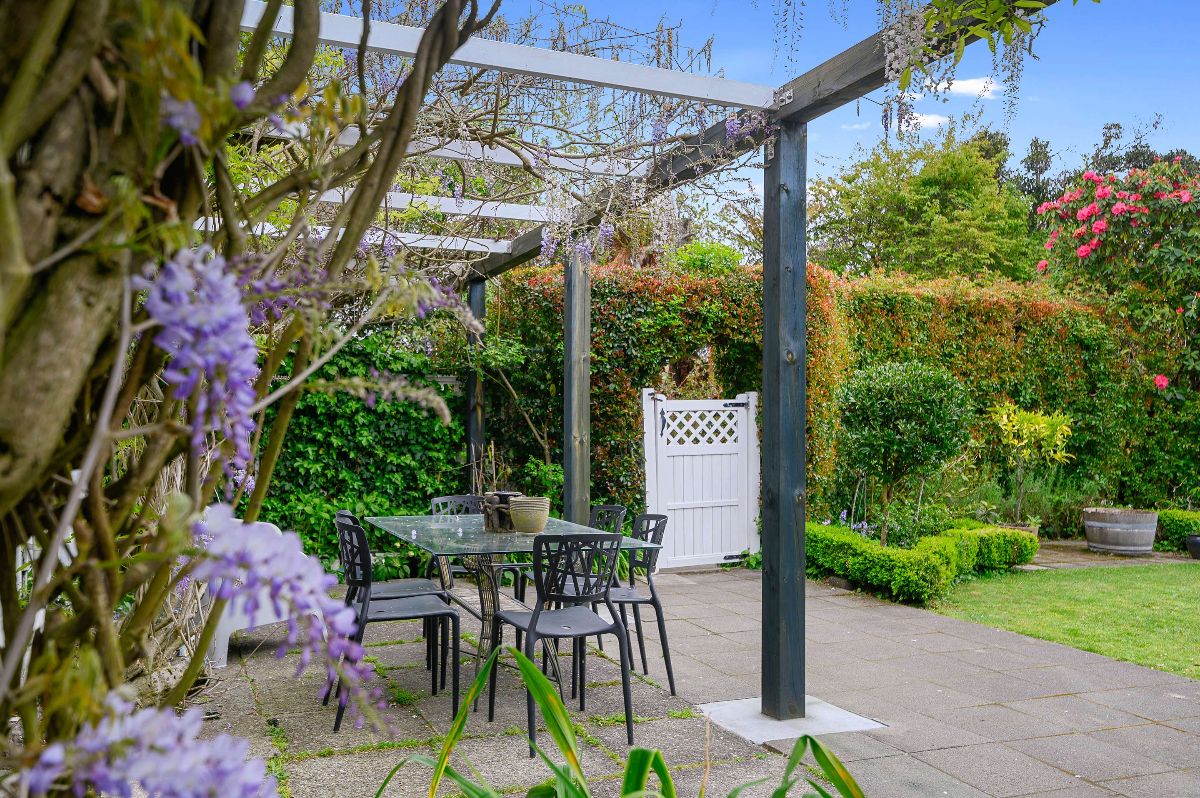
(663, 415)
(736, 404)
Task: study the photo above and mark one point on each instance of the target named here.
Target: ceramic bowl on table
(529, 513)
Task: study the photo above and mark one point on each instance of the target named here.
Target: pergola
(840, 80)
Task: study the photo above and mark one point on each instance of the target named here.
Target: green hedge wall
(1002, 340)
(1174, 526)
(389, 459)
(921, 573)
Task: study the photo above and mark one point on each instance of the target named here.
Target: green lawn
(1148, 614)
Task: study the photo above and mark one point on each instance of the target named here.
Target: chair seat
(394, 588)
(408, 607)
(568, 622)
(624, 594)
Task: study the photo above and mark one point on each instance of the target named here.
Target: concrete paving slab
(746, 719)
(1089, 758)
(1178, 784)
(997, 769)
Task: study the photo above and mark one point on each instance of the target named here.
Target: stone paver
(968, 710)
(1076, 554)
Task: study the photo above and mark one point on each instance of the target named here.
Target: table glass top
(449, 535)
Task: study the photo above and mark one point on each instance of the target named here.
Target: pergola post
(783, 409)
(577, 389)
(477, 301)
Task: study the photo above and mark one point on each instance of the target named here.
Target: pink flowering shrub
(1135, 238)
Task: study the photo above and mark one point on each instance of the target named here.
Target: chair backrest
(585, 561)
(465, 504)
(355, 553)
(608, 518)
(651, 528)
(343, 548)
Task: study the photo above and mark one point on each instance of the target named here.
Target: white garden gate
(702, 473)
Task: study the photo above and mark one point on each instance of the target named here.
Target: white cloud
(984, 88)
(857, 126)
(929, 120)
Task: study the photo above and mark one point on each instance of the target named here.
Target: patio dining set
(575, 570)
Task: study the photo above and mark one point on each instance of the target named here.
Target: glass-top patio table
(481, 553)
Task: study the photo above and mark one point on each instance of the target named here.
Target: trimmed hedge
(923, 572)
(1174, 526)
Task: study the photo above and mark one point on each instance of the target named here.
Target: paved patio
(1076, 554)
(969, 710)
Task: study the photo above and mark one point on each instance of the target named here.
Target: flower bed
(923, 572)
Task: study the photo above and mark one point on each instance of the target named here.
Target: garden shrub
(998, 548)
(900, 421)
(340, 453)
(923, 572)
(706, 258)
(1174, 526)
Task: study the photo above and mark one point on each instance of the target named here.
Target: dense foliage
(901, 421)
(1174, 527)
(1004, 341)
(362, 453)
(921, 572)
(928, 209)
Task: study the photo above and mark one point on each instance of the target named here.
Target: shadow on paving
(259, 697)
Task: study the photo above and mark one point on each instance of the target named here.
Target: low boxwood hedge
(923, 572)
(1173, 528)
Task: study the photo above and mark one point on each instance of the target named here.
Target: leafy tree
(899, 421)
(707, 258)
(930, 209)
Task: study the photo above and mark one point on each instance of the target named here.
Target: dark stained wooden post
(783, 410)
(476, 437)
(577, 390)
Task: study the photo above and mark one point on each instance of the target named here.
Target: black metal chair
(431, 608)
(608, 518)
(573, 570)
(650, 528)
(391, 588)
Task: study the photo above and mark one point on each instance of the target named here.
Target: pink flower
(1080, 231)
(1049, 244)
(1120, 209)
(1185, 196)
(1043, 265)
(1177, 310)
(1103, 192)
(1087, 212)
(1161, 382)
(1047, 206)
(1083, 251)
(1122, 195)
(1099, 227)
(1090, 175)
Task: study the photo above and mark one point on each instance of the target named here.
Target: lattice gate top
(700, 427)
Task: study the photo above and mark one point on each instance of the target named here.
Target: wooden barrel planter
(1114, 530)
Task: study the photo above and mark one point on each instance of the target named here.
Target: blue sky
(1119, 60)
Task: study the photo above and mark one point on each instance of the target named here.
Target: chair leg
(433, 653)
(497, 635)
(662, 637)
(454, 666)
(574, 666)
(637, 620)
(626, 668)
(446, 645)
(582, 674)
(599, 638)
(531, 640)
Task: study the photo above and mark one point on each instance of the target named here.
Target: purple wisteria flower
(212, 359)
(583, 249)
(549, 244)
(155, 750)
(182, 116)
(733, 129)
(658, 131)
(605, 234)
(242, 95)
(248, 564)
(390, 246)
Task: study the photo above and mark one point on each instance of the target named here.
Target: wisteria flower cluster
(154, 750)
(212, 359)
(248, 564)
(270, 296)
(183, 117)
